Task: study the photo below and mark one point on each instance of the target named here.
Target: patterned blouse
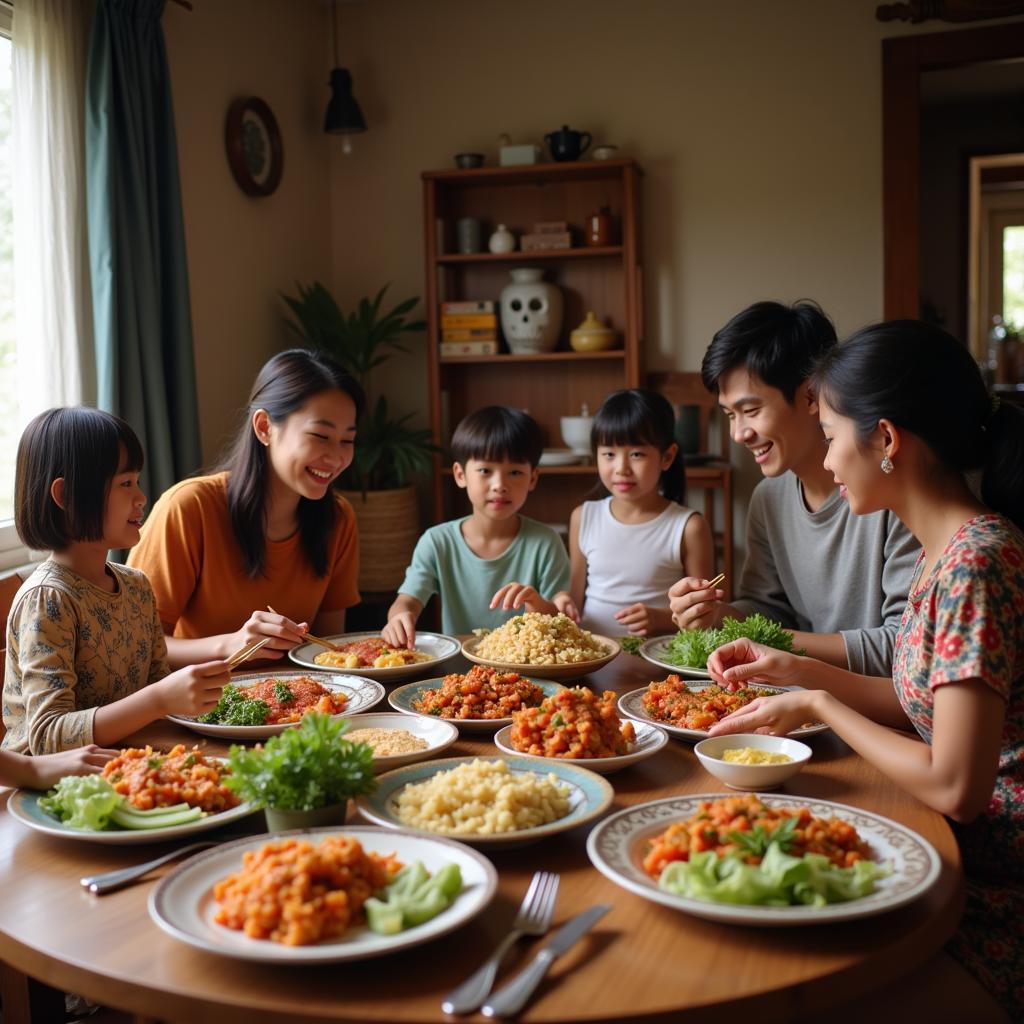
(966, 621)
(73, 647)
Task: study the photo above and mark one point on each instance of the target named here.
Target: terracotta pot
(389, 526)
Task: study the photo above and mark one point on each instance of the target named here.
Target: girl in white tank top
(629, 548)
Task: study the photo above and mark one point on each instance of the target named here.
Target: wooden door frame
(904, 60)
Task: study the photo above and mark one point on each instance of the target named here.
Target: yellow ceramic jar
(592, 335)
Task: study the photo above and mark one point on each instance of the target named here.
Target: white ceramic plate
(653, 650)
(24, 805)
(438, 733)
(617, 847)
(649, 740)
(560, 457)
(362, 695)
(437, 645)
(589, 796)
(182, 903)
(402, 700)
(631, 705)
(574, 670)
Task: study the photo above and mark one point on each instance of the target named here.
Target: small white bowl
(576, 432)
(752, 777)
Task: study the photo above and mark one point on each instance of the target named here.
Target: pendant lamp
(343, 115)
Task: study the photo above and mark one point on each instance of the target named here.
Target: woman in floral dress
(907, 418)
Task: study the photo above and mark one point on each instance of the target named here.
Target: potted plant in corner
(389, 451)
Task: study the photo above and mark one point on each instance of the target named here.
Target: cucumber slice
(156, 812)
(126, 819)
(384, 918)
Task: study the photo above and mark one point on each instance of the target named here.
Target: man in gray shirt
(839, 580)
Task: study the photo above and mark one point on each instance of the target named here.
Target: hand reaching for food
(743, 661)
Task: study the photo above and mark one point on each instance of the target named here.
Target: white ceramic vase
(531, 312)
(502, 240)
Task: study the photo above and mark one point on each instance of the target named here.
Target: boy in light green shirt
(494, 562)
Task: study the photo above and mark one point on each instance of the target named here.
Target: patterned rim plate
(589, 796)
(649, 740)
(438, 733)
(182, 902)
(24, 805)
(437, 645)
(570, 671)
(631, 705)
(653, 650)
(617, 845)
(402, 700)
(363, 694)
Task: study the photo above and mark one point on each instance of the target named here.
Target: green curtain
(145, 365)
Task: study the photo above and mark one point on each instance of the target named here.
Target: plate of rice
(398, 740)
(494, 801)
(545, 646)
(368, 654)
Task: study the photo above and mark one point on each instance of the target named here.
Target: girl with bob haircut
(86, 658)
(266, 528)
(907, 418)
(627, 549)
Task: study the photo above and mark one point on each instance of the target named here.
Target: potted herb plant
(303, 777)
(389, 452)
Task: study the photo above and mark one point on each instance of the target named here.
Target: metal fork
(534, 918)
(111, 880)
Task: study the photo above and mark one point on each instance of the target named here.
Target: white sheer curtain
(53, 312)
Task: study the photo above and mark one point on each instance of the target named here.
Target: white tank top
(628, 563)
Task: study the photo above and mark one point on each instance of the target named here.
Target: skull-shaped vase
(531, 312)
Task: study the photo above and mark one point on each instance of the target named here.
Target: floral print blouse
(73, 647)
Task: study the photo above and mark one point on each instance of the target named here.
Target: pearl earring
(887, 466)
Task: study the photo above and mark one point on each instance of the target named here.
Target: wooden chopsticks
(716, 581)
(316, 639)
(243, 653)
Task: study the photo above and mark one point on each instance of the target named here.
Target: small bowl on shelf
(466, 161)
(753, 778)
(576, 432)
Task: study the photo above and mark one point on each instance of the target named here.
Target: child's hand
(639, 619)
(694, 605)
(515, 595)
(284, 634)
(43, 770)
(193, 690)
(401, 630)
(565, 604)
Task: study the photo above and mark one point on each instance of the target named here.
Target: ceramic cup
(605, 152)
(469, 234)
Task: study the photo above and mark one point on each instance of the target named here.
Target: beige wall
(243, 251)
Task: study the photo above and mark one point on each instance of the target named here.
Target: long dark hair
(925, 381)
(285, 384)
(642, 416)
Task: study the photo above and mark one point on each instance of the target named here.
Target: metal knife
(510, 999)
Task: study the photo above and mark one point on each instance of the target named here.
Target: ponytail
(1002, 472)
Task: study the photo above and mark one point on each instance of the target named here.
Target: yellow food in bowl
(748, 755)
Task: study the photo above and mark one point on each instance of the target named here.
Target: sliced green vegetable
(415, 896)
(125, 818)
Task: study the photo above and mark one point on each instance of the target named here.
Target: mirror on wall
(995, 279)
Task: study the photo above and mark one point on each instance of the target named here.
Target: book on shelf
(455, 320)
(469, 348)
(467, 306)
(469, 334)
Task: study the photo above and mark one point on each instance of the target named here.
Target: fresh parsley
(755, 842)
(235, 708)
(283, 694)
(631, 644)
(303, 768)
(691, 648)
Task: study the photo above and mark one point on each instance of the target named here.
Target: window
(1013, 275)
(9, 418)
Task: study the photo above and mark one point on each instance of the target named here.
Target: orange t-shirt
(189, 552)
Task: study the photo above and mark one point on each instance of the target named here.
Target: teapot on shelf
(567, 144)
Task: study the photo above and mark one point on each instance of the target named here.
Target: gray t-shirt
(444, 564)
(828, 571)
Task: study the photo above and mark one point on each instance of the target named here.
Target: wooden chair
(711, 471)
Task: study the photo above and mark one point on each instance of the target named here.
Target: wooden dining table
(643, 961)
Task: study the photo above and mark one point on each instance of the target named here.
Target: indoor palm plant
(389, 451)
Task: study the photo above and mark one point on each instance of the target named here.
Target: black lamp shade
(343, 115)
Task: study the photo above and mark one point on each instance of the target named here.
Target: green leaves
(755, 842)
(691, 648)
(303, 768)
(389, 452)
(235, 708)
(82, 801)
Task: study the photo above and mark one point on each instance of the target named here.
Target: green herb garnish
(631, 644)
(155, 762)
(283, 694)
(691, 648)
(755, 842)
(557, 720)
(235, 708)
(303, 768)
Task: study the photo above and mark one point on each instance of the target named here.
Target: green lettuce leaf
(82, 801)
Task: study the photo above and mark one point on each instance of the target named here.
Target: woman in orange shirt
(267, 528)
